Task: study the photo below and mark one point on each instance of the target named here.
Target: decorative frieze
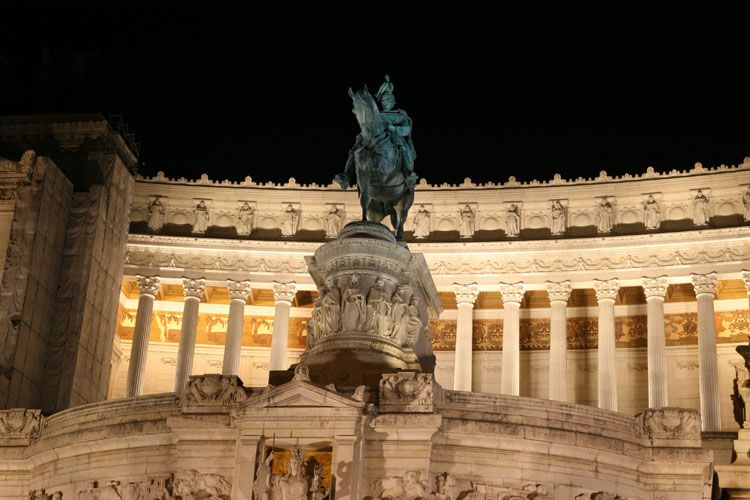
(185, 484)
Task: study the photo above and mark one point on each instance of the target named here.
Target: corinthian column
(606, 292)
(746, 279)
(283, 294)
(465, 297)
(238, 291)
(193, 291)
(137, 368)
(705, 287)
(559, 293)
(512, 296)
(655, 288)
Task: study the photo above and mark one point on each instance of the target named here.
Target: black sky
(232, 94)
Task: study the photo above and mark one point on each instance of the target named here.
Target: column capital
(465, 294)
(606, 289)
(193, 287)
(284, 292)
(746, 279)
(704, 283)
(238, 290)
(512, 292)
(149, 285)
(655, 287)
(558, 291)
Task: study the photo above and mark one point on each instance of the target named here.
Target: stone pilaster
(238, 292)
(512, 296)
(559, 293)
(149, 287)
(705, 288)
(606, 292)
(193, 291)
(465, 297)
(283, 294)
(655, 289)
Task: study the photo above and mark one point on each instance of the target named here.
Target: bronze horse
(377, 164)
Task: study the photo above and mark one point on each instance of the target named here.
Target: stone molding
(148, 285)
(407, 392)
(19, 426)
(465, 294)
(655, 287)
(723, 247)
(704, 283)
(238, 290)
(606, 289)
(512, 292)
(657, 424)
(193, 287)
(558, 292)
(557, 180)
(284, 292)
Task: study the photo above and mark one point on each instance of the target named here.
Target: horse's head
(366, 110)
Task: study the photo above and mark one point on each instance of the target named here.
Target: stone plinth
(376, 298)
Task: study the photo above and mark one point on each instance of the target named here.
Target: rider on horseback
(399, 126)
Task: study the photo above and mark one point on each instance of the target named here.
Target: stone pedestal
(375, 301)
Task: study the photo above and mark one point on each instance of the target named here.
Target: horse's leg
(403, 206)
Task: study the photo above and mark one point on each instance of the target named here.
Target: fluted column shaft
(149, 286)
(655, 289)
(465, 297)
(284, 295)
(193, 291)
(512, 297)
(238, 292)
(705, 287)
(558, 340)
(606, 292)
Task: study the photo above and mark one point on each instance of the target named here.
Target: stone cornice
(628, 257)
(467, 184)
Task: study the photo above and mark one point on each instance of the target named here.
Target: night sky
(237, 95)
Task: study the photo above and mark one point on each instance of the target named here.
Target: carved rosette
(704, 283)
(512, 292)
(19, 426)
(465, 294)
(746, 279)
(559, 292)
(669, 424)
(238, 290)
(149, 285)
(606, 289)
(193, 288)
(284, 292)
(655, 287)
(407, 392)
(211, 391)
